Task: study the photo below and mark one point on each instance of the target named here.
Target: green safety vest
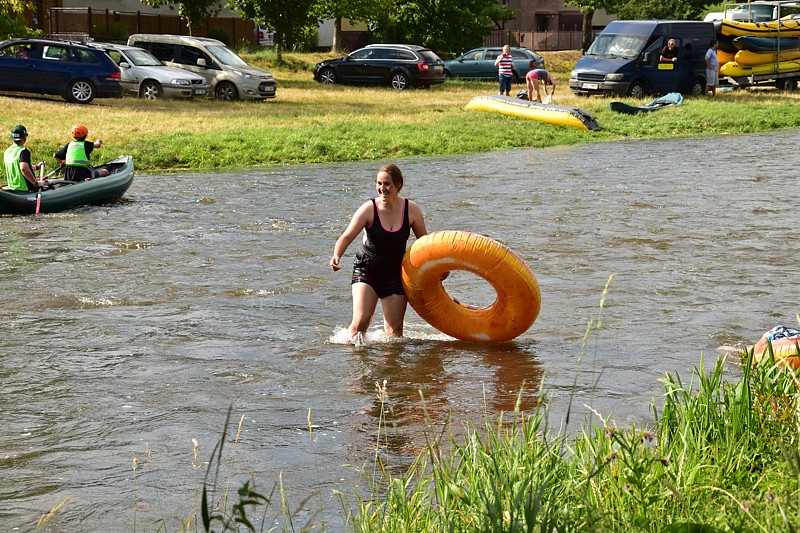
(76, 155)
(14, 176)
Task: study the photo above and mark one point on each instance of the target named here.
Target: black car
(397, 65)
(70, 69)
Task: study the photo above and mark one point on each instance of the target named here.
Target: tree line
(442, 25)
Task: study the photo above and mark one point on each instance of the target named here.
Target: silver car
(147, 77)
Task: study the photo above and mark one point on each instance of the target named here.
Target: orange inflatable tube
(786, 351)
(434, 255)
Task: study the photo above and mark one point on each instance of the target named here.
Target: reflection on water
(135, 326)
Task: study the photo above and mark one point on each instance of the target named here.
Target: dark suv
(77, 72)
(397, 65)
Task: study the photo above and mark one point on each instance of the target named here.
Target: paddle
(41, 181)
(52, 172)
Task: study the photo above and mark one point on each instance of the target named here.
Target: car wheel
(790, 85)
(327, 76)
(698, 87)
(226, 91)
(447, 74)
(399, 81)
(636, 90)
(150, 90)
(80, 92)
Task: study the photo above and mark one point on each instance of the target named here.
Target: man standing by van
(712, 68)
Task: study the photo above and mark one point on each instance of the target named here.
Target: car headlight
(614, 77)
(180, 81)
(245, 75)
(573, 75)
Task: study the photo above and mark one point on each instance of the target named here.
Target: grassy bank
(309, 123)
(720, 456)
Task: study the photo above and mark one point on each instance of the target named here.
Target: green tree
(193, 12)
(288, 18)
(443, 25)
(659, 9)
(588, 8)
(12, 19)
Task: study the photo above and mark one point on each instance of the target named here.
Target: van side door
(187, 57)
(163, 51)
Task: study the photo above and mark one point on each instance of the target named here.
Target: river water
(129, 330)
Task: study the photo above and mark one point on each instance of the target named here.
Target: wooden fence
(115, 26)
(539, 41)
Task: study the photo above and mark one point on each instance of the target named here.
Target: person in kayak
(17, 162)
(75, 156)
(387, 222)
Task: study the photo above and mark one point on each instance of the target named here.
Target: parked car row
(178, 66)
(150, 66)
(401, 66)
(228, 75)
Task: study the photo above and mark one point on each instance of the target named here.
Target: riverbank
(311, 123)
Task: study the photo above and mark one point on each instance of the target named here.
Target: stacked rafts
(758, 48)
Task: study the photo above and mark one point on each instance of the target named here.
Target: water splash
(378, 336)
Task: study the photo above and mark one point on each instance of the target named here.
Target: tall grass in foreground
(721, 456)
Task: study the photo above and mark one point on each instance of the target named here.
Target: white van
(228, 75)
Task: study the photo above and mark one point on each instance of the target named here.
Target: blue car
(478, 64)
(72, 70)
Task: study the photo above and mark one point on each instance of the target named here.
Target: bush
(220, 34)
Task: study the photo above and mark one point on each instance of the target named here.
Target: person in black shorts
(387, 222)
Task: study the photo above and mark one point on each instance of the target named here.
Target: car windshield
(143, 58)
(226, 56)
(617, 45)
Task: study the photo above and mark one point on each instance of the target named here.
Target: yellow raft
(747, 58)
(775, 28)
(552, 114)
(725, 57)
(734, 69)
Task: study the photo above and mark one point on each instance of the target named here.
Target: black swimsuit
(380, 258)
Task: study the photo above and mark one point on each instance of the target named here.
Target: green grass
(721, 456)
(311, 123)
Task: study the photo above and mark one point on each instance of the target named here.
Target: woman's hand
(335, 263)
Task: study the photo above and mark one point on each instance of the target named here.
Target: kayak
(747, 58)
(765, 44)
(668, 100)
(735, 70)
(67, 195)
(552, 114)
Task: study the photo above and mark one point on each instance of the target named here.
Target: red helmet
(79, 131)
